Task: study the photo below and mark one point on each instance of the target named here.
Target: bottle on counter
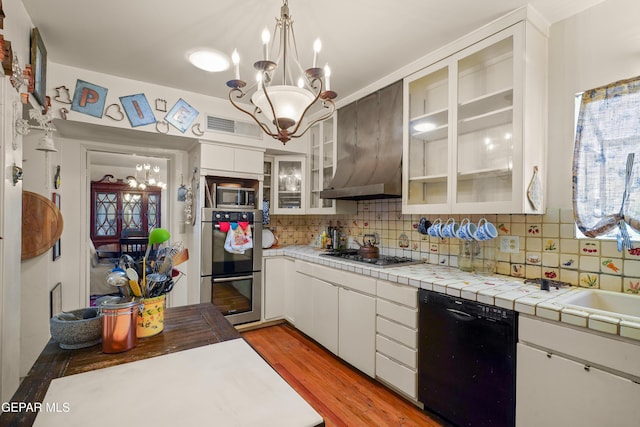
(330, 238)
(323, 240)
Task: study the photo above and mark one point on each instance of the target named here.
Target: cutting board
(224, 384)
(41, 224)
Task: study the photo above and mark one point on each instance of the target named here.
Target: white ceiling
(363, 40)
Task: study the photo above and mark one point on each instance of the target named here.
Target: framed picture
(56, 247)
(55, 299)
(181, 115)
(39, 66)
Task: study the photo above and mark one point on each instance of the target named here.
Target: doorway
(128, 195)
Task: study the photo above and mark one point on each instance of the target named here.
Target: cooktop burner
(383, 261)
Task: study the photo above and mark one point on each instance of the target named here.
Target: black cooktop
(382, 261)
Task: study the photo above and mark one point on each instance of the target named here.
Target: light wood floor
(339, 393)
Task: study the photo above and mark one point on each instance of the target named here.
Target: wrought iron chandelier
(279, 104)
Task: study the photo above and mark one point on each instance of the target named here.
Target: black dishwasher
(467, 360)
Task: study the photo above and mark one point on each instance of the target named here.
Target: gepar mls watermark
(58, 407)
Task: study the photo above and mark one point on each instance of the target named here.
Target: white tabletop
(225, 384)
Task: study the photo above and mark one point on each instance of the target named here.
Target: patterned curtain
(606, 178)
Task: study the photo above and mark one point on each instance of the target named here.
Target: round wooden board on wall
(41, 224)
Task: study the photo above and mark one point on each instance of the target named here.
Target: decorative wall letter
(182, 115)
(89, 98)
(138, 109)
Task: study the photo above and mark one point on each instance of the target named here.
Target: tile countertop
(502, 291)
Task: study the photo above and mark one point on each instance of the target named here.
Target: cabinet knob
(587, 368)
(549, 355)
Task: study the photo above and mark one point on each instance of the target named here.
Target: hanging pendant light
(280, 105)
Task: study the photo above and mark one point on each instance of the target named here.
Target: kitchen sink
(608, 303)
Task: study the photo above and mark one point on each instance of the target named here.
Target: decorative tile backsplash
(547, 244)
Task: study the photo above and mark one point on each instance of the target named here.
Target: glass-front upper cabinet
(321, 137)
(485, 115)
(267, 193)
(289, 190)
(428, 152)
(322, 163)
(475, 127)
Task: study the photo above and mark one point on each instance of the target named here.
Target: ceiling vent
(235, 127)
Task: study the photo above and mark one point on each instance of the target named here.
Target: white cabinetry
(397, 337)
(356, 331)
(303, 303)
(277, 288)
(575, 378)
(337, 309)
(223, 158)
(475, 127)
(322, 164)
(324, 313)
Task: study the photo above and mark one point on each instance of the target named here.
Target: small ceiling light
(209, 60)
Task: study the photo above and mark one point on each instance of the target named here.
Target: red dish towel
(224, 226)
(243, 224)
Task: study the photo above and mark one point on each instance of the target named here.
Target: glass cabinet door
(289, 190)
(484, 150)
(321, 137)
(328, 144)
(428, 152)
(315, 164)
(268, 177)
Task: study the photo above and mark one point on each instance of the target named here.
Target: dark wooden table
(184, 328)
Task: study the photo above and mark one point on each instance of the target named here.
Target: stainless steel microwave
(232, 197)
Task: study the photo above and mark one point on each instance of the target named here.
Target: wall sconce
(44, 123)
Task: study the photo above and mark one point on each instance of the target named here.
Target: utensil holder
(150, 320)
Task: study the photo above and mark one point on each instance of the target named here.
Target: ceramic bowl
(71, 331)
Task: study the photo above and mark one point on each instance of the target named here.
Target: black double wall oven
(231, 279)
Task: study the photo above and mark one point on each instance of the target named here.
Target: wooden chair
(134, 243)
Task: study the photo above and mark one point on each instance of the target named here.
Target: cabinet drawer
(397, 375)
(304, 267)
(401, 294)
(401, 314)
(397, 332)
(397, 351)
(581, 344)
(345, 279)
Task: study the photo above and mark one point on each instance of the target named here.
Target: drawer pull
(587, 368)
